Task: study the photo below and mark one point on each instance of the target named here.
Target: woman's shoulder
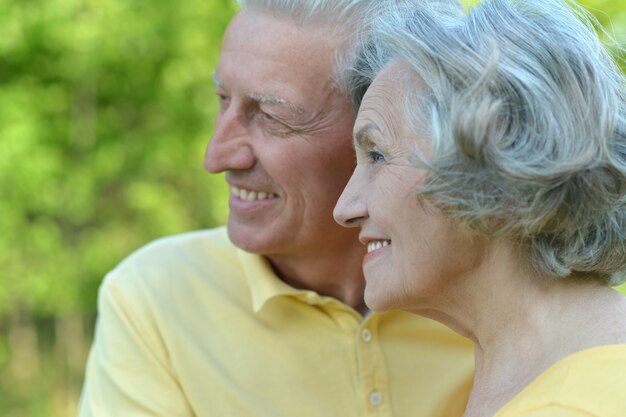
(591, 382)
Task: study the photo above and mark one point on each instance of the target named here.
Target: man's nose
(351, 208)
(230, 147)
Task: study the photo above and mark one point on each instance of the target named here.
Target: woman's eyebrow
(362, 136)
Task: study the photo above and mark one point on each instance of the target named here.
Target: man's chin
(249, 239)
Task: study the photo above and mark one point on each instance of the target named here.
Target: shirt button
(366, 335)
(376, 398)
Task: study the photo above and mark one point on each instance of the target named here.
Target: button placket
(376, 398)
(373, 372)
(366, 335)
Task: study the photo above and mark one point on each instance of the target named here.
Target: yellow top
(192, 326)
(590, 383)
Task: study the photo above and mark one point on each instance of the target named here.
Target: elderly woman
(490, 191)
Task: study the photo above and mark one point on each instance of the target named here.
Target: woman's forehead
(383, 105)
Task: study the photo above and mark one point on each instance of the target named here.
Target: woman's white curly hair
(527, 116)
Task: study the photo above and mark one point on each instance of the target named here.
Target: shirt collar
(265, 285)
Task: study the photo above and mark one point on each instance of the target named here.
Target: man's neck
(333, 273)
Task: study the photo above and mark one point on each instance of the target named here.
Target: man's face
(283, 136)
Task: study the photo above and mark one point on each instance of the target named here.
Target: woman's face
(414, 252)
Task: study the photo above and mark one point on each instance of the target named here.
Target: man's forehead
(272, 60)
(279, 38)
(276, 22)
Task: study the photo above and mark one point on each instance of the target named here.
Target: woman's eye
(376, 156)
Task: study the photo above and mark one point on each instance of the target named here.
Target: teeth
(378, 244)
(247, 195)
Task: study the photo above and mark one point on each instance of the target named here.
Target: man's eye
(273, 125)
(223, 100)
(376, 156)
(270, 120)
(265, 118)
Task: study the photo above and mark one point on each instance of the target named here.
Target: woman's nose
(351, 208)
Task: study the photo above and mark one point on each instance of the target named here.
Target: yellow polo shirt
(192, 326)
(590, 383)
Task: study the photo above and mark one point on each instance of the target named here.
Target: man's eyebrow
(267, 99)
(272, 100)
(362, 135)
(217, 80)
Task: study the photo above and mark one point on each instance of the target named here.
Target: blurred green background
(106, 107)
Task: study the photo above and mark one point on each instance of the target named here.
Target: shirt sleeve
(128, 371)
(554, 410)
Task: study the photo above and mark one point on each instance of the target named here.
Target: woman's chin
(377, 301)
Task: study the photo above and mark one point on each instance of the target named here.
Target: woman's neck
(522, 324)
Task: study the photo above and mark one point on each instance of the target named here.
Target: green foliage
(105, 109)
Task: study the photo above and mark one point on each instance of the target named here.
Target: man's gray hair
(526, 111)
(328, 12)
(346, 18)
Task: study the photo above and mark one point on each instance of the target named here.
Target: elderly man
(266, 317)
